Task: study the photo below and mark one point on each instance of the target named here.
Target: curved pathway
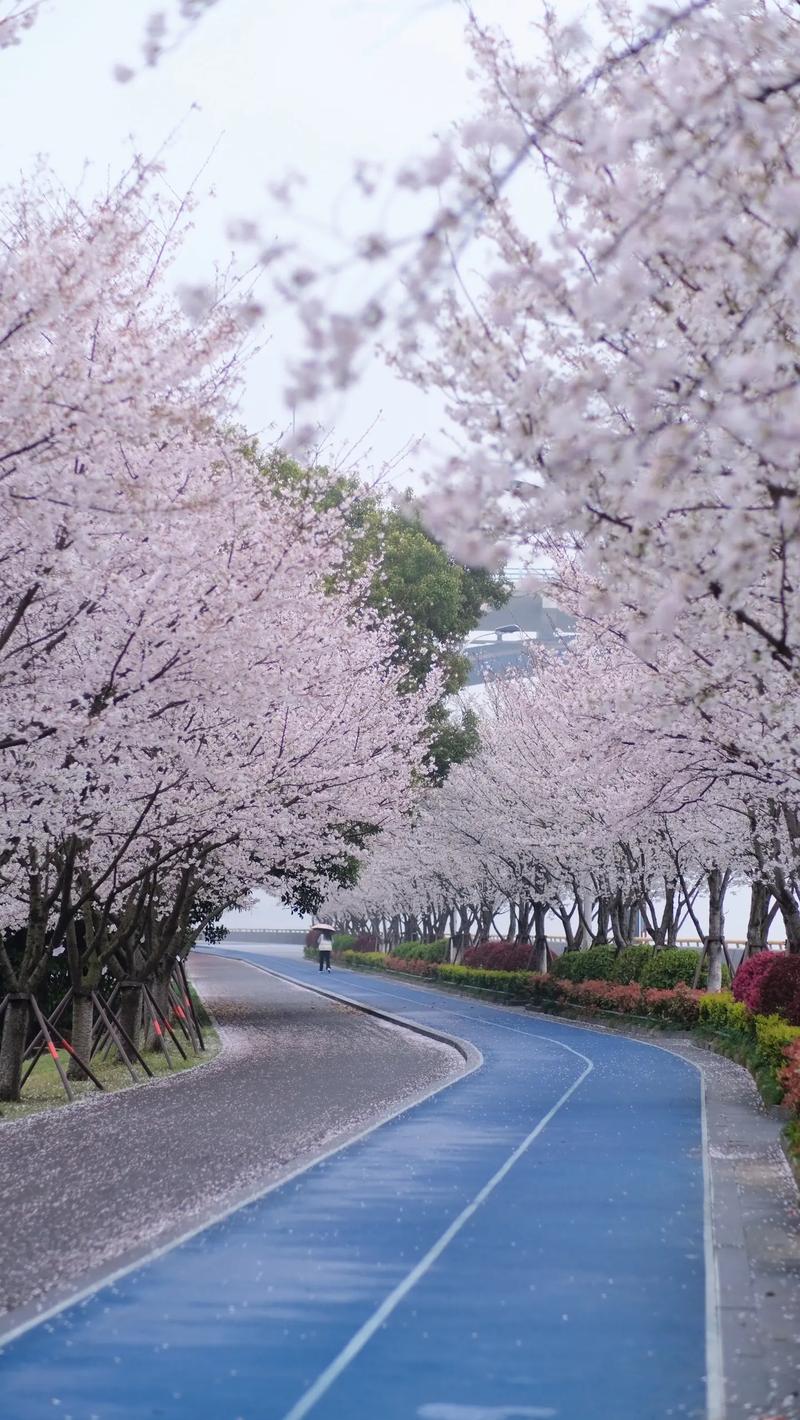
(528, 1242)
(86, 1186)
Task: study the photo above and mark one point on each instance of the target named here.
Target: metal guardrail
(267, 936)
(277, 936)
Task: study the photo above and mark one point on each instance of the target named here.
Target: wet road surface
(83, 1186)
(528, 1242)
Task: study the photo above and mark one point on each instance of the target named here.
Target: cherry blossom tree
(186, 702)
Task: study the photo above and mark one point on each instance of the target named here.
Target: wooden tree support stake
(98, 1005)
(47, 1028)
(181, 1014)
(154, 1006)
(104, 1009)
(39, 1044)
(187, 995)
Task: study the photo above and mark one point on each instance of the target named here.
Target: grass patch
(44, 1090)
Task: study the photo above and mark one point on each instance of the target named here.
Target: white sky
(256, 89)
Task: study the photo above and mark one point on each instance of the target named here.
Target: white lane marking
(715, 1375)
(715, 1371)
(358, 1341)
(108, 1279)
(443, 1410)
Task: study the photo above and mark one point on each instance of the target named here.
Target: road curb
(469, 1053)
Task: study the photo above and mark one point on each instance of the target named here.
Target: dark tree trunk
(540, 950)
(716, 928)
(789, 910)
(484, 922)
(512, 920)
(82, 1023)
(616, 913)
(601, 930)
(130, 1012)
(12, 1047)
(524, 922)
(159, 990)
(757, 922)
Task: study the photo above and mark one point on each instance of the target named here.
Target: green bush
(773, 1034)
(423, 951)
(374, 959)
(721, 1012)
(670, 965)
(343, 941)
(594, 964)
(630, 964)
(509, 982)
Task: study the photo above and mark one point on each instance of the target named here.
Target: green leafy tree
(431, 601)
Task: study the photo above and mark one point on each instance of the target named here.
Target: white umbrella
(323, 927)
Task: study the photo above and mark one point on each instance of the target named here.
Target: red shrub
(789, 1076)
(499, 956)
(747, 981)
(769, 984)
(680, 1004)
(677, 1004)
(607, 996)
(365, 942)
(411, 966)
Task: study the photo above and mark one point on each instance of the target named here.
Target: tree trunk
(540, 953)
(789, 911)
(159, 990)
(716, 928)
(616, 915)
(82, 1023)
(757, 920)
(12, 1047)
(130, 1011)
(523, 936)
(601, 930)
(512, 920)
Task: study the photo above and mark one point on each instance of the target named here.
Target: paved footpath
(527, 1242)
(92, 1183)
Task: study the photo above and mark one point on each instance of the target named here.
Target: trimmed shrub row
(422, 951)
(664, 968)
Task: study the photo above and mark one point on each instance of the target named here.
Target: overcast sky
(259, 86)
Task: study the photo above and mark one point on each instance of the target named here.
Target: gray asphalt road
(96, 1182)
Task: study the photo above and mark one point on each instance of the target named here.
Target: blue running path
(526, 1243)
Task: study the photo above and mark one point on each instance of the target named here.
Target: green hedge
(423, 951)
(773, 1035)
(594, 964)
(630, 963)
(722, 1013)
(664, 968)
(513, 983)
(670, 965)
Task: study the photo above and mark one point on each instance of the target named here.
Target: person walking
(324, 945)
